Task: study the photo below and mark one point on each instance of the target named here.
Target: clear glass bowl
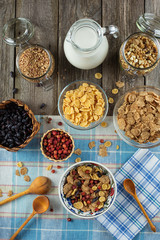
(67, 203)
(120, 132)
(75, 85)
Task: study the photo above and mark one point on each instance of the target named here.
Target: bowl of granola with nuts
(87, 189)
(139, 54)
(83, 105)
(136, 117)
(35, 63)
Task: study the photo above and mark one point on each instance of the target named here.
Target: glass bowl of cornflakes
(136, 117)
(83, 105)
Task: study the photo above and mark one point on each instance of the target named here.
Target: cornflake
(23, 170)
(111, 100)
(91, 144)
(78, 159)
(17, 172)
(104, 124)
(83, 105)
(139, 116)
(49, 167)
(102, 150)
(19, 164)
(120, 84)
(117, 147)
(115, 91)
(107, 144)
(77, 151)
(10, 193)
(78, 205)
(27, 178)
(98, 75)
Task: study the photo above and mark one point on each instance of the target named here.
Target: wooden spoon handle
(22, 226)
(14, 197)
(153, 228)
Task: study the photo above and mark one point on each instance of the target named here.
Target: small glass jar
(86, 44)
(140, 53)
(35, 63)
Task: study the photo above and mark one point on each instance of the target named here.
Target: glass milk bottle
(86, 45)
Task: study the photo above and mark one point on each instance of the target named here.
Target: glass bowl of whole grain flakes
(83, 105)
(136, 117)
(87, 189)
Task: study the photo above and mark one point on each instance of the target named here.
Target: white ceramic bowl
(67, 203)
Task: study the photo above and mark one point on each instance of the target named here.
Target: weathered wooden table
(52, 20)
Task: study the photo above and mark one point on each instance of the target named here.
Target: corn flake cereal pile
(139, 116)
(83, 105)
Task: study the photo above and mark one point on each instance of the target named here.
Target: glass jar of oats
(35, 63)
(140, 53)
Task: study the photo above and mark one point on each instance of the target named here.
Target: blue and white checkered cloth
(125, 219)
(54, 225)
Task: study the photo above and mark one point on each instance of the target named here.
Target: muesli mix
(141, 53)
(87, 187)
(34, 62)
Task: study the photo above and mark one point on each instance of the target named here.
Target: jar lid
(149, 23)
(17, 31)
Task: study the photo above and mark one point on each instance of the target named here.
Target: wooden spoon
(40, 205)
(130, 188)
(40, 185)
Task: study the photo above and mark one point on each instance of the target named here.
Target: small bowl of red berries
(57, 145)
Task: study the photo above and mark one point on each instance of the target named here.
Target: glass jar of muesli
(140, 52)
(35, 63)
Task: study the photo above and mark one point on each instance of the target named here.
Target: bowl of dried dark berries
(18, 125)
(57, 145)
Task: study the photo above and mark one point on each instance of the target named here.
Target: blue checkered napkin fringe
(125, 219)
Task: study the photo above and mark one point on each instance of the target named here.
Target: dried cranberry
(112, 192)
(69, 219)
(53, 171)
(96, 209)
(74, 172)
(59, 123)
(51, 210)
(101, 141)
(87, 196)
(83, 193)
(87, 171)
(59, 167)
